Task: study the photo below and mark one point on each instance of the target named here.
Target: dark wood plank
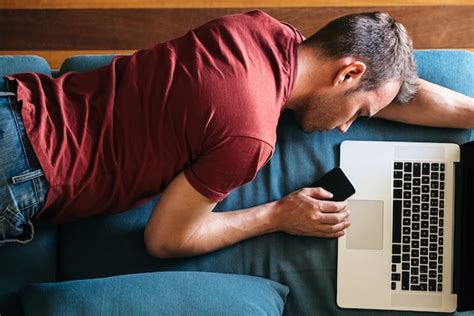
(113, 29)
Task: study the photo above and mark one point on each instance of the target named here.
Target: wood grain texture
(130, 29)
(127, 4)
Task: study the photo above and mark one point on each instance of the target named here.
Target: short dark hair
(382, 43)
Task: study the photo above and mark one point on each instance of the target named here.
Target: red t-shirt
(207, 103)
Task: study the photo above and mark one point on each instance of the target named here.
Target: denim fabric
(23, 187)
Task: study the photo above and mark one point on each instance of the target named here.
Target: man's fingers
(332, 207)
(335, 218)
(332, 235)
(318, 193)
(331, 229)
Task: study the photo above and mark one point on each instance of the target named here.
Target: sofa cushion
(161, 293)
(36, 261)
(83, 63)
(23, 63)
(111, 245)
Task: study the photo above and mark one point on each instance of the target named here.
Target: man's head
(355, 65)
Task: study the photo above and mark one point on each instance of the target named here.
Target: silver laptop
(399, 252)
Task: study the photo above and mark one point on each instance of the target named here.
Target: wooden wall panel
(140, 28)
(39, 27)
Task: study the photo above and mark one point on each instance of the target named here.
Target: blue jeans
(23, 187)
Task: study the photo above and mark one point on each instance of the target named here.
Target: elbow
(158, 249)
(159, 246)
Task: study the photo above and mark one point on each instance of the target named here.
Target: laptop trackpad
(366, 231)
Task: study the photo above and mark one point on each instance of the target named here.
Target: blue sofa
(100, 266)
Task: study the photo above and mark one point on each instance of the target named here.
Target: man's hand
(305, 212)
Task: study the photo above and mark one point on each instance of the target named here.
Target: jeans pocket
(14, 227)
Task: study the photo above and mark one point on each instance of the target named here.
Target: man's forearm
(181, 227)
(218, 230)
(435, 106)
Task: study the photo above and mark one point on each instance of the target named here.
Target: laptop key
(395, 276)
(405, 280)
(394, 286)
(423, 278)
(396, 259)
(397, 165)
(415, 288)
(397, 194)
(416, 169)
(425, 168)
(396, 249)
(424, 269)
(397, 221)
(397, 174)
(440, 288)
(432, 285)
(423, 287)
(407, 166)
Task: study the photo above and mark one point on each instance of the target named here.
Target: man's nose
(344, 127)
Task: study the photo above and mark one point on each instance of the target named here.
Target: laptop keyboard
(418, 226)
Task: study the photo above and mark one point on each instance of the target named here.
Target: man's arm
(434, 106)
(183, 224)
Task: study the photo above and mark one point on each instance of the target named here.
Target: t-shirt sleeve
(232, 163)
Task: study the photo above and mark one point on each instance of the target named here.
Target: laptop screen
(464, 229)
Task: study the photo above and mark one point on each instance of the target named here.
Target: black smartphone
(336, 182)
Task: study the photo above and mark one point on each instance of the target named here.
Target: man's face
(336, 109)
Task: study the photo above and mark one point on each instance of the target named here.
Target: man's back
(206, 103)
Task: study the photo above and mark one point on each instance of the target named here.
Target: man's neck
(308, 74)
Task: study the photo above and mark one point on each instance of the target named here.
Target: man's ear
(350, 73)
